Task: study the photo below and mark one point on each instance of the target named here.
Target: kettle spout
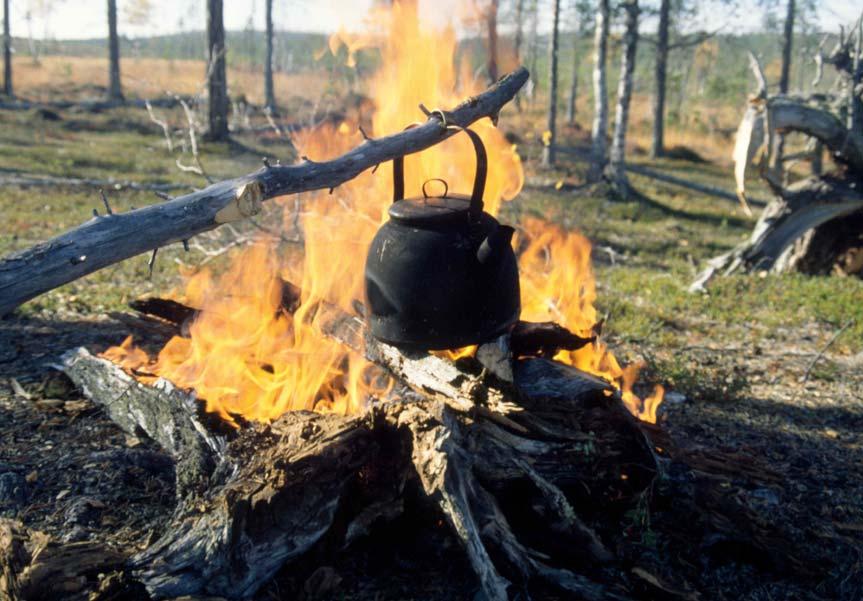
(494, 244)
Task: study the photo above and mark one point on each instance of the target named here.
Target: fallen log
(33, 180)
(812, 225)
(804, 206)
(107, 239)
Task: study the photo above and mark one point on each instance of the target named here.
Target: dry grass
(706, 128)
(64, 77)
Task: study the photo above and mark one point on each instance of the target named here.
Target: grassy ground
(741, 359)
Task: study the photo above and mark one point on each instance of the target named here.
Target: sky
(75, 19)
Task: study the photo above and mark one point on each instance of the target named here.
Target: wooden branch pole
(105, 240)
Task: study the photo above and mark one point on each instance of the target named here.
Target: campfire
(247, 357)
(294, 429)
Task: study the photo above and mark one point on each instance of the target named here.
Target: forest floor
(764, 370)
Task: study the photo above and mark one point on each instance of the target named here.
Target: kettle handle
(476, 204)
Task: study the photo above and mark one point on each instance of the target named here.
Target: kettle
(441, 272)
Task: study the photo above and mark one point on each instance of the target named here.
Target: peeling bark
(599, 131)
(617, 165)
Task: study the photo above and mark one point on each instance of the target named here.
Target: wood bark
(812, 225)
(517, 43)
(803, 206)
(787, 48)
(505, 464)
(34, 567)
(269, 89)
(107, 239)
(599, 131)
(551, 117)
(7, 51)
(855, 80)
(533, 49)
(510, 490)
(784, 81)
(573, 82)
(617, 165)
(657, 147)
(491, 24)
(217, 83)
(115, 89)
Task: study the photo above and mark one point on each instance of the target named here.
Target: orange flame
(247, 357)
(557, 284)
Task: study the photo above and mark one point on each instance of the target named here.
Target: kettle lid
(431, 210)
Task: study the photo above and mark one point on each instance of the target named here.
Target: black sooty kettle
(441, 273)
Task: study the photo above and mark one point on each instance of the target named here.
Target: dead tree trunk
(7, 51)
(551, 120)
(115, 89)
(657, 148)
(813, 225)
(217, 85)
(784, 80)
(519, 35)
(491, 24)
(573, 83)
(787, 43)
(617, 166)
(599, 132)
(107, 239)
(269, 90)
(533, 49)
(855, 81)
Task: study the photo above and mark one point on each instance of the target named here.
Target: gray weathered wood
(105, 240)
(599, 131)
(617, 157)
(7, 51)
(551, 116)
(657, 147)
(269, 88)
(115, 89)
(279, 488)
(162, 412)
(217, 80)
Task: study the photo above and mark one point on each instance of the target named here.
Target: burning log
(512, 467)
(108, 239)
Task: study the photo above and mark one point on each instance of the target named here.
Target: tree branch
(105, 240)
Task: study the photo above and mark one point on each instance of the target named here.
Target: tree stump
(514, 455)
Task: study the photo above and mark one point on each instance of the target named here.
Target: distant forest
(715, 70)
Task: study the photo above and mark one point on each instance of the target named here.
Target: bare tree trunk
(115, 90)
(573, 84)
(599, 132)
(534, 49)
(784, 79)
(855, 102)
(519, 15)
(217, 84)
(548, 149)
(491, 20)
(617, 167)
(657, 149)
(7, 51)
(269, 92)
